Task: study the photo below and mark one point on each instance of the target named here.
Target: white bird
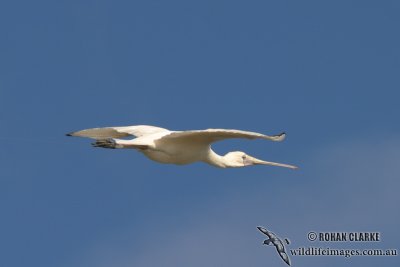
(178, 147)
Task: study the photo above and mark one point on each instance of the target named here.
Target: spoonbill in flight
(178, 147)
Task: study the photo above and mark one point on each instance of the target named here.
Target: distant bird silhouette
(179, 147)
(277, 242)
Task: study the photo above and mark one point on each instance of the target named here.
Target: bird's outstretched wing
(266, 232)
(118, 132)
(213, 135)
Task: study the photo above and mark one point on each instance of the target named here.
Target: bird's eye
(244, 157)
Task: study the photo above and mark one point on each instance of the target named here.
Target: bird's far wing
(213, 135)
(118, 132)
(266, 232)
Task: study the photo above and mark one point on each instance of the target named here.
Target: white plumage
(178, 147)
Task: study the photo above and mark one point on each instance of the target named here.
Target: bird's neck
(216, 160)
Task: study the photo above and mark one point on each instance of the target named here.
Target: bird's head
(241, 159)
(267, 242)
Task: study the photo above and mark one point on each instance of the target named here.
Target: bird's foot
(105, 143)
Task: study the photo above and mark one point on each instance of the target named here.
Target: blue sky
(327, 73)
